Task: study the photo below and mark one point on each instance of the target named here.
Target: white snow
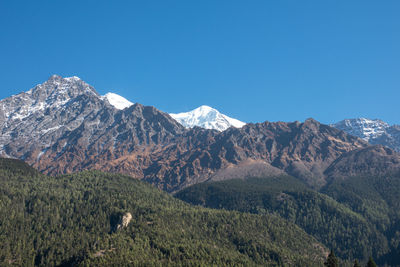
(117, 101)
(44, 131)
(206, 117)
(73, 78)
(41, 154)
(363, 127)
(25, 104)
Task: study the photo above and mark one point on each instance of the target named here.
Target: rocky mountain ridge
(204, 116)
(64, 125)
(32, 121)
(376, 132)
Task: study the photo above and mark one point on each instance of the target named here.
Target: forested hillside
(71, 220)
(356, 217)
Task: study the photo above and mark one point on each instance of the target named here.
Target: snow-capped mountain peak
(373, 131)
(117, 101)
(362, 127)
(206, 117)
(54, 93)
(45, 113)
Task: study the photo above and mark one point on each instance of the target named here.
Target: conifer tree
(356, 264)
(371, 263)
(331, 261)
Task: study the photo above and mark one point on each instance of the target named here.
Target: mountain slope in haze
(206, 117)
(376, 132)
(70, 221)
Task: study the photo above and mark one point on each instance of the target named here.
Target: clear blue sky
(252, 60)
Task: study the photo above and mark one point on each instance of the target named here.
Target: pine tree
(332, 261)
(356, 264)
(371, 263)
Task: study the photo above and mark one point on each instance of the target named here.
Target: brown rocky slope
(64, 126)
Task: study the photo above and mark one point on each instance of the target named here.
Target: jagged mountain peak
(362, 127)
(312, 121)
(59, 88)
(373, 131)
(63, 125)
(203, 116)
(53, 93)
(57, 79)
(33, 120)
(206, 117)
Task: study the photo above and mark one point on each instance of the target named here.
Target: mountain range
(336, 183)
(64, 125)
(204, 116)
(374, 131)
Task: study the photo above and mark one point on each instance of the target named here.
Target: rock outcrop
(125, 220)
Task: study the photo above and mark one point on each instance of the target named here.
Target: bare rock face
(303, 150)
(125, 220)
(119, 221)
(31, 122)
(63, 126)
(119, 141)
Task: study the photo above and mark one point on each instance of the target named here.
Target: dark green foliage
(371, 262)
(331, 261)
(17, 167)
(70, 221)
(356, 264)
(350, 231)
(376, 198)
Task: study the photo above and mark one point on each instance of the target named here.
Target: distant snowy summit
(206, 117)
(372, 131)
(361, 127)
(203, 116)
(117, 101)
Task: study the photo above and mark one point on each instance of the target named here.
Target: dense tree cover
(332, 261)
(69, 220)
(376, 198)
(355, 220)
(356, 264)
